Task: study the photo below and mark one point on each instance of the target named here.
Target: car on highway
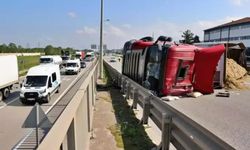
(73, 66)
(83, 64)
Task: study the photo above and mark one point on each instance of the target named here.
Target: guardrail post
(146, 110)
(135, 99)
(128, 91)
(166, 131)
(123, 85)
(118, 80)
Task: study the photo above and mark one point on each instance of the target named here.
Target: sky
(76, 23)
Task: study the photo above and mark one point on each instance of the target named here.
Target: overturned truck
(167, 68)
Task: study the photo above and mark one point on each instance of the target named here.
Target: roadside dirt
(103, 119)
(236, 76)
(115, 124)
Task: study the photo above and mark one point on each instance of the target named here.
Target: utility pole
(101, 42)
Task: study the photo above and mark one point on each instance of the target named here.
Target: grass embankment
(128, 132)
(26, 62)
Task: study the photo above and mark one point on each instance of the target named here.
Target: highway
(13, 113)
(226, 117)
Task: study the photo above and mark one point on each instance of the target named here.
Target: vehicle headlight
(21, 93)
(43, 91)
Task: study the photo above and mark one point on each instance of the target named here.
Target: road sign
(37, 118)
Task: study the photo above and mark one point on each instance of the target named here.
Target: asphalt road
(227, 118)
(13, 113)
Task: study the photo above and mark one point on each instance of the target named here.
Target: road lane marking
(6, 104)
(21, 142)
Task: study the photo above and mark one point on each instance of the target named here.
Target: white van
(40, 83)
(51, 59)
(73, 66)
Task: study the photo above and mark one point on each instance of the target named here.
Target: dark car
(83, 64)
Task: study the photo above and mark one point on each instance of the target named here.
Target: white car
(73, 66)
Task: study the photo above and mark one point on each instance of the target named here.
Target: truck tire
(23, 101)
(1, 95)
(6, 92)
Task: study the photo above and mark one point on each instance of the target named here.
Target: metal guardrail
(175, 127)
(71, 117)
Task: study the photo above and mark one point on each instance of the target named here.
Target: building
(235, 31)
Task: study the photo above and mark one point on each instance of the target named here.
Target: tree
(188, 37)
(12, 47)
(3, 48)
(196, 39)
(49, 50)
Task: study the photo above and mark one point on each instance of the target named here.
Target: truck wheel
(1, 95)
(6, 93)
(23, 101)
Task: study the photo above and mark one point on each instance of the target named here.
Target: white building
(235, 31)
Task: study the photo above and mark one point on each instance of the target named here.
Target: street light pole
(101, 42)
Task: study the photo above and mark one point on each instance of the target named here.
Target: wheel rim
(1, 96)
(6, 92)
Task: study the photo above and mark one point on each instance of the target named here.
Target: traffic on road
(45, 84)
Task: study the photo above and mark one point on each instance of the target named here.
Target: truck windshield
(35, 81)
(65, 58)
(45, 60)
(71, 65)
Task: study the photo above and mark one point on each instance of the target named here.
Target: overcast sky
(75, 23)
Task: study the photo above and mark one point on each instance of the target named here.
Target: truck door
(54, 81)
(50, 85)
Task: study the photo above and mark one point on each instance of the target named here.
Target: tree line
(48, 50)
(188, 38)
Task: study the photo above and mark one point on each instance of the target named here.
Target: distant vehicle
(40, 84)
(8, 75)
(90, 56)
(64, 60)
(51, 59)
(80, 55)
(73, 66)
(83, 64)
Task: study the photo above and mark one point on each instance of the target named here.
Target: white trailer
(8, 75)
(51, 59)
